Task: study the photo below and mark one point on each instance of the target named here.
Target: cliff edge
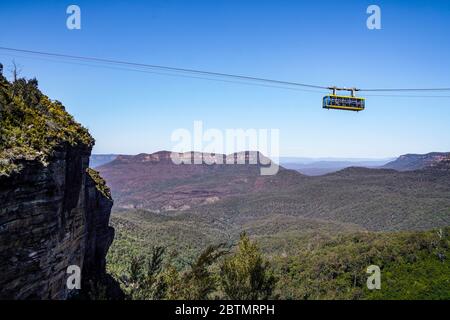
(54, 210)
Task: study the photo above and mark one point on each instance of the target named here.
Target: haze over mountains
(322, 166)
(312, 167)
(97, 160)
(306, 166)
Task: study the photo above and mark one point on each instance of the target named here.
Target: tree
(245, 275)
(15, 70)
(145, 280)
(153, 279)
(199, 280)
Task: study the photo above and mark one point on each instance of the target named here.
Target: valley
(186, 208)
(373, 199)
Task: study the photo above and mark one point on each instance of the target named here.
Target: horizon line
(349, 158)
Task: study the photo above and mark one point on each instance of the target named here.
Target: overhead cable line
(404, 89)
(166, 73)
(217, 74)
(134, 64)
(404, 96)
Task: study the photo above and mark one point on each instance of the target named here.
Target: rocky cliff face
(50, 218)
(54, 211)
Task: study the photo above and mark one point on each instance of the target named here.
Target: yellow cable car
(349, 103)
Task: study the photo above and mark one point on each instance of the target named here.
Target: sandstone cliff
(54, 211)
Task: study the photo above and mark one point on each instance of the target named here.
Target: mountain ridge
(312, 167)
(155, 182)
(411, 162)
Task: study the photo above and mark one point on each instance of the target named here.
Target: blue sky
(319, 42)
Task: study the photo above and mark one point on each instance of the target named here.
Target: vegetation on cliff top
(100, 183)
(32, 125)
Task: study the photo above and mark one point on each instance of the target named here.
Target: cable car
(338, 102)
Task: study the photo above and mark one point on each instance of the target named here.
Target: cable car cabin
(343, 103)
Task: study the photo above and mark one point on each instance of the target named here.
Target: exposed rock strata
(52, 217)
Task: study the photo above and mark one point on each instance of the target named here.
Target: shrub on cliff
(100, 183)
(32, 125)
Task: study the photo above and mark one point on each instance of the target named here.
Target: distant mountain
(155, 182)
(410, 162)
(307, 166)
(97, 160)
(306, 160)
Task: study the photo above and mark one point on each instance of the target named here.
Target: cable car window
(343, 103)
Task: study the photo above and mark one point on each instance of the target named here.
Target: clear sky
(319, 42)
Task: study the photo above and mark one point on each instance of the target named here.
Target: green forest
(414, 265)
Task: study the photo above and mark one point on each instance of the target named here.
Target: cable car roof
(339, 96)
